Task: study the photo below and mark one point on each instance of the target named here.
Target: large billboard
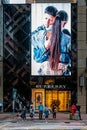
(51, 39)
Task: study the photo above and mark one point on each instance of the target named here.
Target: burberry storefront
(50, 96)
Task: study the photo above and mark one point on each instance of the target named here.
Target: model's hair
(54, 57)
(51, 10)
(66, 31)
(55, 44)
(64, 15)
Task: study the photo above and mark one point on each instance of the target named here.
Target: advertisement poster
(51, 48)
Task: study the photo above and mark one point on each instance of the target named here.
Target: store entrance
(59, 98)
(51, 97)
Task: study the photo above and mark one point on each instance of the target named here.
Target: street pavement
(11, 121)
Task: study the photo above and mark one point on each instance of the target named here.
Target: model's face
(48, 20)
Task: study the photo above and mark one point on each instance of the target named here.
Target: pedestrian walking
(79, 113)
(46, 112)
(23, 113)
(40, 109)
(32, 110)
(73, 109)
(54, 111)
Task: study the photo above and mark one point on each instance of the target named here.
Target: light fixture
(81, 81)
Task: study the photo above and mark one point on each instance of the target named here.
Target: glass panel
(37, 97)
(62, 99)
(55, 98)
(49, 98)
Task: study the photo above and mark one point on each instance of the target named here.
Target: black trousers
(79, 115)
(40, 114)
(54, 114)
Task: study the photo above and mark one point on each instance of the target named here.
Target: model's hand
(61, 68)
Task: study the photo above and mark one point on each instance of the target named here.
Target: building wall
(82, 49)
(82, 54)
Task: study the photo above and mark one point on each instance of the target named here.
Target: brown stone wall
(82, 53)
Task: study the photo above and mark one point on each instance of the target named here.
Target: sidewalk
(10, 121)
(60, 116)
(6, 115)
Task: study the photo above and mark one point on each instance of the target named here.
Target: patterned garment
(46, 70)
(40, 55)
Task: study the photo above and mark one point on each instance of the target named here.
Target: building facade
(59, 91)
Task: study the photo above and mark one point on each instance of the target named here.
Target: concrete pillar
(82, 53)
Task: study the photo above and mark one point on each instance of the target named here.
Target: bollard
(70, 116)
